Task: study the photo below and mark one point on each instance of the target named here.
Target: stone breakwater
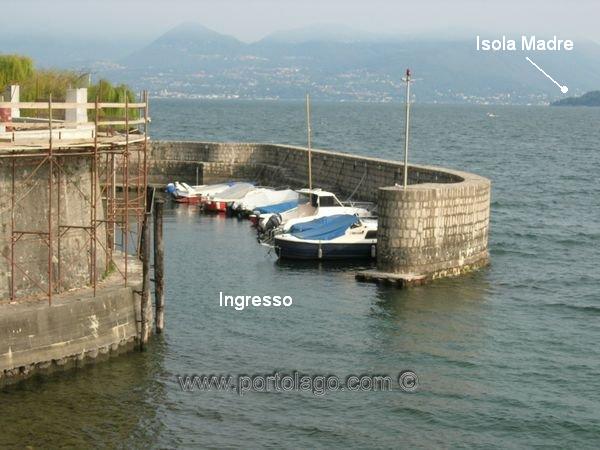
(437, 227)
(432, 231)
(285, 165)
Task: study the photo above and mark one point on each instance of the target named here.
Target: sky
(250, 20)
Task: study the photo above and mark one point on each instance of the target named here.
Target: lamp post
(407, 79)
(308, 133)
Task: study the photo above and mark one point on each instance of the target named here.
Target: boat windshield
(328, 200)
(303, 198)
(314, 200)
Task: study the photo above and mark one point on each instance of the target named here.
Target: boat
(312, 204)
(261, 214)
(205, 192)
(184, 193)
(221, 201)
(262, 198)
(269, 217)
(339, 236)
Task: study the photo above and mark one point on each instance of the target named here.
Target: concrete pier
(68, 291)
(430, 231)
(76, 329)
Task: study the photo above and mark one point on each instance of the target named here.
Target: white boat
(340, 236)
(263, 197)
(312, 204)
(221, 201)
(212, 189)
(184, 193)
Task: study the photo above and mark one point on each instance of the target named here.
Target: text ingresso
(239, 302)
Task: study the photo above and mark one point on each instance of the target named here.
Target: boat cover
(178, 188)
(278, 208)
(267, 197)
(238, 190)
(324, 228)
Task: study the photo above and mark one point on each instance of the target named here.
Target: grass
(39, 85)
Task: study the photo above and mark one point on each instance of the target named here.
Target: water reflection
(324, 266)
(438, 330)
(113, 401)
(445, 312)
(455, 294)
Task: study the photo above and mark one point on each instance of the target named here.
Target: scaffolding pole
(104, 163)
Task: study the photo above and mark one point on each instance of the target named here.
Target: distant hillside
(338, 64)
(187, 47)
(588, 99)
(331, 62)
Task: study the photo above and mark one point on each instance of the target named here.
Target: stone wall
(71, 192)
(77, 327)
(433, 230)
(437, 227)
(285, 165)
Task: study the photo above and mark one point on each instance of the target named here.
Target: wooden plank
(146, 305)
(121, 122)
(44, 125)
(42, 144)
(159, 281)
(65, 105)
(23, 126)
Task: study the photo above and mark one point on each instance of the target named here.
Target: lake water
(506, 357)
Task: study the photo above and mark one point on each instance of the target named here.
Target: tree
(14, 69)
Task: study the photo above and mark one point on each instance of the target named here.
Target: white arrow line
(563, 89)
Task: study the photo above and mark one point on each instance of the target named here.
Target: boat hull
(187, 200)
(324, 250)
(216, 206)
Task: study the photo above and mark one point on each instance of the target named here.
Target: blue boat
(342, 236)
(312, 204)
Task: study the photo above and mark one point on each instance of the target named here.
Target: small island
(591, 98)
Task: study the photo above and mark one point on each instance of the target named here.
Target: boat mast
(308, 137)
(407, 79)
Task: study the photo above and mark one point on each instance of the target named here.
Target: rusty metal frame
(105, 162)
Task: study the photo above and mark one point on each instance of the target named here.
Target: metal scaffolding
(116, 152)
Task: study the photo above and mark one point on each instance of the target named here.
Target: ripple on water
(506, 357)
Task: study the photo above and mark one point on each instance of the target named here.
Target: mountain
(188, 46)
(340, 63)
(591, 98)
(331, 62)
